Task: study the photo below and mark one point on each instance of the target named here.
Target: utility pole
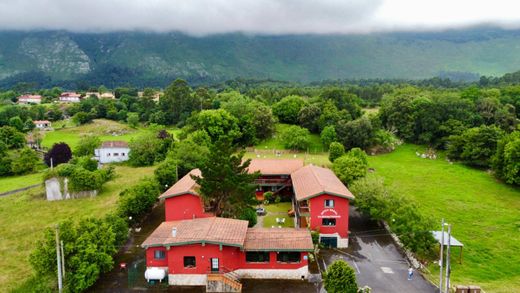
(448, 268)
(442, 255)
(58, 258)
(62, 260)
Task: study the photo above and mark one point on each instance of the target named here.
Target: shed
(453, 242)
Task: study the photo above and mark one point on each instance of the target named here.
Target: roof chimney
(174, 232)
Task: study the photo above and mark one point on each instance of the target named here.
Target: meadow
(16, 182)
(484, 214)
(25, 215)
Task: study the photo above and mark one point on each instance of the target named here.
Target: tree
(351, 166)
(249, 214)
(86, 146)
(82, 118)
(328, 135)
(5, 160)
(288, 108)
(59, 153)
(147, 149)
(215, 123)
(28, 125)
(191, 152)
(24, 161)
(139, 199)
(475, 146)
(16, 122)
(296, 138)
(397, 113)
(506, 160)
(11, 137)
(356, 133)
(336, 150)
(166, 173)
(178, 103)
(263, 121)
(132, 119)
(225, 183)
(340, 278)
(308, 117)
(343, 101)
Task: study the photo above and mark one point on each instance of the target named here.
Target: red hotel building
(194, 248)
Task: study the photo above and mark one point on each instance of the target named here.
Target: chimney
(174, 232)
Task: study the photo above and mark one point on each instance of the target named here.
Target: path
(19, 189)
(375, 258)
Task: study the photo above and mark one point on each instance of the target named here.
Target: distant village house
(112, 152)
(30, 99)
(70, 97)
(42, 124)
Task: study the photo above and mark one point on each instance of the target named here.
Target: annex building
(193, 247)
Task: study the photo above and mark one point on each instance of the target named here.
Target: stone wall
(57, 189)
(288, 274)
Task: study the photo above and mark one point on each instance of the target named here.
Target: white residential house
(42, 124)
(112, 151)
(30, 99)
(70, 97)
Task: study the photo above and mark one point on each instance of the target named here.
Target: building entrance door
(330, 242)
(214, 265)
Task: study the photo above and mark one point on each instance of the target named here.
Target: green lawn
(276, 141)
(104, 129)
(484, 213)
(16, 182)
(26, 214)
(278, 210)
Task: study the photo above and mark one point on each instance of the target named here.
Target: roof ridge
(317, 178)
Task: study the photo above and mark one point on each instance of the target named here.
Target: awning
(453, 242)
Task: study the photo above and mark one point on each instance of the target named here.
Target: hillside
(153, 59)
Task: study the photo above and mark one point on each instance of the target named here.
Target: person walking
(410, 273)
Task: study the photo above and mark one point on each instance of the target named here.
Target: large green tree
(288, 108)
(340, 278)
(178, 103)
(225, 183)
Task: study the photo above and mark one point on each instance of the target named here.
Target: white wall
(106, 155)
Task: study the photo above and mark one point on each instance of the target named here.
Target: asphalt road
(376, 259)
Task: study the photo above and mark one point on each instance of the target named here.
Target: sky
(203, 17)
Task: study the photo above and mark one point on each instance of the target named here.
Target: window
(329, 203)
(257, 256)
(189, 262)
(116, 154)
(159, 254)
(328, 222)
(123, 154)
(288, 256)
(108, 154)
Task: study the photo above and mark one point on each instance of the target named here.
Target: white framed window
(329, 203)
(159, 254)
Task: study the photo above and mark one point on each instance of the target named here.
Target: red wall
(230, 258)
(318, 211)
(184, 207)
(151, 261)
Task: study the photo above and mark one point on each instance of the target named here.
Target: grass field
(276, 141)
(26, 214)
(484, 213)
(104, 129)
(16, 182)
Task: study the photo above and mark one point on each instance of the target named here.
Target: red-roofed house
(193, 247)
(42, 124)
(70, 97)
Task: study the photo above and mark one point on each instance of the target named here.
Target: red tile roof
(26, 97)
(274, 166)
(311, 181)
(230, 232)
(278, 239)
(41, 122)
(184, 186)
(114, 144)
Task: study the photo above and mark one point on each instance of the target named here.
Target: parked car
(260, 211)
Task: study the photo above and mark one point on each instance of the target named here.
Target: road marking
(357, 268)
(387, 270)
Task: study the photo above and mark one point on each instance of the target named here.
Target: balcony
(273, 182)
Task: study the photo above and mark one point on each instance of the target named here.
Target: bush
(268, 196)
(147, 149)
(85, 162)
(24, 161)
(11, 137)
(340, 278)
(328, 135)
(336, 150)
(475, 146)
(139, 199)
(506, 161)
(351, 166)
(249, 214)
(166, 173)
(87, 145)
(277, 199)
(296, 138)
(84, 180)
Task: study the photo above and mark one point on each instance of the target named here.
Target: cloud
(200, 17)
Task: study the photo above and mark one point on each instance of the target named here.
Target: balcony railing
(273, 182)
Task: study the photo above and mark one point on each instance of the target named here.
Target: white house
(42, 124)
(112, 151)
(70, 97)
(30, 99)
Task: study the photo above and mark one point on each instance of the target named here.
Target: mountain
(154, 59)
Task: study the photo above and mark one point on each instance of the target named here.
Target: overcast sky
(200, 17)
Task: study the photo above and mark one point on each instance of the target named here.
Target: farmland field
(484, 213)
(26, 214)
(16, 182)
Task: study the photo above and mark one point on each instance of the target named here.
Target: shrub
(340, 278)
(328, 135)
(277, 199)
(249, 214)
(87, 145)
(83, 180)
(296, 138)
(336, 150)
(85, 162)
(24, 161)
(351, 166)
(268, 196)
(506, 161)
(166, 173)
(139, 199)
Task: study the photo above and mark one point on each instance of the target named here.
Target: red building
(195, 248)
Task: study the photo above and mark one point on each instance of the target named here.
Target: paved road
(376, 259)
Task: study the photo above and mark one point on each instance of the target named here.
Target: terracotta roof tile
(114, 144)
(183, 186)
(275, 166)
(273, 239)
(215, 230)
(311, 181)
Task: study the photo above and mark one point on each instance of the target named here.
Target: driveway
(376, 259)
